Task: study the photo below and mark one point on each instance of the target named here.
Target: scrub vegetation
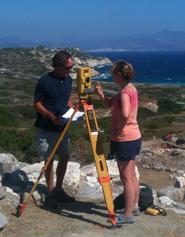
(19, 71)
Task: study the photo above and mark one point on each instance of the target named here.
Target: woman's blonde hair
(124, 68)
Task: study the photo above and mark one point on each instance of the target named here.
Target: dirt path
(89, 220)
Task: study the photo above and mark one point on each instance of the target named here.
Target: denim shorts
(125, 151)
(46, 141)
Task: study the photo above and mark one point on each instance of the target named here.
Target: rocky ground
(90, 219)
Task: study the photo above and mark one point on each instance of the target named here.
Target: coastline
(154, 67)
(162, 85)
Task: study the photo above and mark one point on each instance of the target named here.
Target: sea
(151, 67)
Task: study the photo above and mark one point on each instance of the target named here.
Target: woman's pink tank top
(121, 129)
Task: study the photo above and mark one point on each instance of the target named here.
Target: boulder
(180, 182)
(90, 190)
(3, 221)
(8, 164)
(72, 176)
(176, 194)
(2, 192)
(165, 201)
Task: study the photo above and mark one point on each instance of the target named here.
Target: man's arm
(41, 109)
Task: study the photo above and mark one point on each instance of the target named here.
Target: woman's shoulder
(129, 89)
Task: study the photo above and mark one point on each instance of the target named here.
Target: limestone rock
(2, 192)
(89, 190)
(8, 163)
(3, 221)
(180, 182)
(72, 176)
(165, 201)
(175, 194)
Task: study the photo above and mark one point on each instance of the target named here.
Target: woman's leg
(136, 184)
(128, 178)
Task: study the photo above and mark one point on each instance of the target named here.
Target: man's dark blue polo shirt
(54, 93)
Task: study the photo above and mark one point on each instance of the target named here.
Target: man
(51, 101)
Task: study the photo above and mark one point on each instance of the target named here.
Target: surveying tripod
(84, 88)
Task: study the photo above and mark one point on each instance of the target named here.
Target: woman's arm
(70, 103)
(107, 101)
(125, 105)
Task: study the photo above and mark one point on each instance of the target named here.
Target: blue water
(150, 67)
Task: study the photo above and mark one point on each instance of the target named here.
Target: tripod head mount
(83, 81)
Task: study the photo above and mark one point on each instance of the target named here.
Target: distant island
(164, 40)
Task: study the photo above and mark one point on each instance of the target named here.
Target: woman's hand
(99, 90)
(107, 102)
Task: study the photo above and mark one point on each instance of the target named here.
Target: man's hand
(64, 120)
(41, 109)
(55, 120)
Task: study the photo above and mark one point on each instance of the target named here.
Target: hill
(160, 113)
(160, 41)
(20, 69)
(163, 40)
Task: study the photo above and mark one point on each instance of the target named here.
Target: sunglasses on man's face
(63, 66)
(68, 67)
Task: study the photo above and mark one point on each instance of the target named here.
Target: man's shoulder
(49, 76)
(45, 79)
(69, 78)
(46, 76)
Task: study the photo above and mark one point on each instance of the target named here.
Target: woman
(125, 134)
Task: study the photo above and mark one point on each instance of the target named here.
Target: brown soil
(156, 179)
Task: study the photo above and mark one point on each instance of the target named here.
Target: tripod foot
(20, 209)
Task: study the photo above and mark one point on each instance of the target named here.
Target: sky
(47, 20)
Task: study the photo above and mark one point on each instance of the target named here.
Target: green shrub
(97, 104)
(78, 130)
(144, 113)
(7, 117)
(168, 106)
(27, 111)
(158, 133)
(157, 123)
(19, 115)
(20, 142)
(104, 125)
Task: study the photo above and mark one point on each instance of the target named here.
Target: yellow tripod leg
(23, 205)
(101, 165)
